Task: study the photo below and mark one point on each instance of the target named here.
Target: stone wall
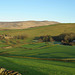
(3, 71)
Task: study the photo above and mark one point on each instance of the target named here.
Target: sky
(52, 10)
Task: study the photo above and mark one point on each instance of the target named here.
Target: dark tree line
(66, 38)
(46, 38)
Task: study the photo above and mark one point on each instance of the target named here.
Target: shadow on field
(24, 70)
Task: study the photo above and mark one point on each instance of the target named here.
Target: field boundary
(53, 59)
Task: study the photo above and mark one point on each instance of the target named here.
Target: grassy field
(41, 50)
(30, 58)
(38, 67)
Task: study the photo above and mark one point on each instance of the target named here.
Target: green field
(38, 67)
(41, 50)
(29, 57)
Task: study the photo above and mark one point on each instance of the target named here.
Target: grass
(43, 30)
(41, 50)
(38, 67)
(29, 58)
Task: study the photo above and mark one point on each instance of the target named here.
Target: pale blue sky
(52, 10)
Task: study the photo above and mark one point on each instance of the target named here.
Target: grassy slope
(39, 50)
(38, 67)
(31, 66)
(44, 30)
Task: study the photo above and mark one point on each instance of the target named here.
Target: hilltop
(25, 24)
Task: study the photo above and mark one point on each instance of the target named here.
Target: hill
(25, 24)
(53, 30)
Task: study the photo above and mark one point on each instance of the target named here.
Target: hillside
(29, 57)
(53, 30)
(25, 24)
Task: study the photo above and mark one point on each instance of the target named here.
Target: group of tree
(65, 38)
(46, 38)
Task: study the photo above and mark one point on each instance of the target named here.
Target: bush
(20, 37)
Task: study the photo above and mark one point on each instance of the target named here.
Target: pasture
(29, 57)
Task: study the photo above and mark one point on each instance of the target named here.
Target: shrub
(20, 37)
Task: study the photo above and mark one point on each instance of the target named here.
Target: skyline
(39, 10)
